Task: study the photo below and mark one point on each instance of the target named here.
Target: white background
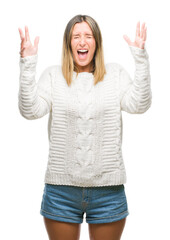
(146, 137)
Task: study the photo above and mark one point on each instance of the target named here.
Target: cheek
(93, 47)
(73, 46)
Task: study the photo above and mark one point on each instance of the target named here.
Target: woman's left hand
(140, 37)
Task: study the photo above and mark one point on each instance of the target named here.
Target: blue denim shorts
(68, 203)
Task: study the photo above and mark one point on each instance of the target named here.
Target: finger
(36, 41)
(138, 29)
(21, 33)
(21, 52)
(127, 39)
(22, 37)
(145, 34)
(22, 43)
(27, 37)
(142, 30)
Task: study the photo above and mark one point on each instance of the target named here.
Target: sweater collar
(83, 75)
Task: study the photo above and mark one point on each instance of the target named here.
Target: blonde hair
(98, 58)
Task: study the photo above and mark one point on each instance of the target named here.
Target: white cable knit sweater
(85, 121)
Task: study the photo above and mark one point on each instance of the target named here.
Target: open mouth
(82, 53)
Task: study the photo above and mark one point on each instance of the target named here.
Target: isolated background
(24, 143)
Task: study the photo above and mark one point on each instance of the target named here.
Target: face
(83, 46)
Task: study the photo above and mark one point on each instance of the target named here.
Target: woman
(84, 99)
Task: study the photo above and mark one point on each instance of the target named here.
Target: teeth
(82, 51)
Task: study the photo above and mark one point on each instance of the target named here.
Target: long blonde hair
(98, 59)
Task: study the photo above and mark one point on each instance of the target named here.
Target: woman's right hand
(27, 49)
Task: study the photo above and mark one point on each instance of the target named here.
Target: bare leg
(108, 231)
(58, 230)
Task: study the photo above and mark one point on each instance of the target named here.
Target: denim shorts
(68, 203)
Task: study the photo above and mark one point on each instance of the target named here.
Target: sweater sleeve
(136, 95)
(34, 99)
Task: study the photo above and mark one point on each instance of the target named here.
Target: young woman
(84, 99)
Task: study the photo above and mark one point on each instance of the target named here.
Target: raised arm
(136, 96)
(34, 98)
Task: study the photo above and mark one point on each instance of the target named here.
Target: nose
(82, 41)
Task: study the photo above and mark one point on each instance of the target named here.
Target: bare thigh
(62, 230)
(109, 231)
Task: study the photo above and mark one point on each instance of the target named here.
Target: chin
(83, 64)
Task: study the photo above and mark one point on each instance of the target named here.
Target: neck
(87, 68)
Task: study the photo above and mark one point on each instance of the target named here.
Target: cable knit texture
(85, 121)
